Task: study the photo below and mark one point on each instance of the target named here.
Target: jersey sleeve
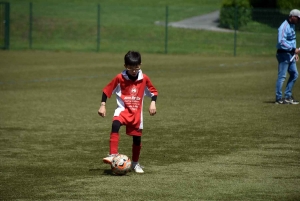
(150, 90)
(111, 86)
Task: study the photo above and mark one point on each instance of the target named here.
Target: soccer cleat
(291, 100)
(137, 168)
(109, 158)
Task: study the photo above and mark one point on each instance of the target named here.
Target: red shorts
(130, 129)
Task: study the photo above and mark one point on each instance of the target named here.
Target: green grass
(217, 134)
(72, 26)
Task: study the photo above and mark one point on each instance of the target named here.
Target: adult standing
(287, 55)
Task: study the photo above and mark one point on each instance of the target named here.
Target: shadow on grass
(271, 17)
(269, 102)
(105, 172)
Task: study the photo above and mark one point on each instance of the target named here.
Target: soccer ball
(121, 164)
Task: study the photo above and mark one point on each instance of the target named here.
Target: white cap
(295, 12)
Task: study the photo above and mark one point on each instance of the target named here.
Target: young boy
(130, 87)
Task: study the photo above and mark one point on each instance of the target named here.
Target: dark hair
(132, 58)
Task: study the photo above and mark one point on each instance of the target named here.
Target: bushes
(235, 13)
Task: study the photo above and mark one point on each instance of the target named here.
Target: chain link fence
(104, 28)
(4, 25)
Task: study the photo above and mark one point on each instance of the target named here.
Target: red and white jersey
(130, 95)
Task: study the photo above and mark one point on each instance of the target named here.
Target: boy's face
(133, 70)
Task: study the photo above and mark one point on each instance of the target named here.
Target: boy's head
(133, 61)
(132, 58)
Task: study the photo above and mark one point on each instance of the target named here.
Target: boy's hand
(102, 111)
(152, 108)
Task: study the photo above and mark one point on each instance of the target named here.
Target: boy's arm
(102, 109)
(152, 108)
(152, 92)
(108, 90)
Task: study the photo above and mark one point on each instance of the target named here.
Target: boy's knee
(137, 140)
(115, 126)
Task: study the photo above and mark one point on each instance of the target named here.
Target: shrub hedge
(235, 13)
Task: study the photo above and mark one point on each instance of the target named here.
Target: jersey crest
(133, 91)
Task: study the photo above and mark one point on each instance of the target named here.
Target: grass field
(217, 134)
